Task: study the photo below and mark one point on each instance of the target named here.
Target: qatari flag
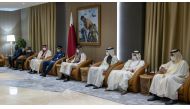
(71, 42)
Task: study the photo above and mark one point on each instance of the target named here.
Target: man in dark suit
(17, 53)
(47, 65)
(20, 61)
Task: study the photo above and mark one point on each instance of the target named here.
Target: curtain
(167, 27)
(42, 26)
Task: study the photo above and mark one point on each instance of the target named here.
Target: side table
(145, 82)
(84, 73)
(58, 66)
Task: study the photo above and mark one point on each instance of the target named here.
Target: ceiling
(12, 6)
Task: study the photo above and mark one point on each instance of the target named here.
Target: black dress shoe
(123, 92)
(170, 102)
(58, 78)
(15, 68)
(44, 75)
(30, 71)
(107, 89)
(65, 80)
(88, 85)
(95, 87)
(154, 98)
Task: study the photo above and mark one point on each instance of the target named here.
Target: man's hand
(162, 70)
(67, 60)
(104, 73)
(21, 57)
(132, 70)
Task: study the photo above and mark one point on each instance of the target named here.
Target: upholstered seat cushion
(1, 62)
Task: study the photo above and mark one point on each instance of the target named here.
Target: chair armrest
(134, 82)
(54, 68)
(85, 63)
(21, 57)
(112, 66)
(139, 72)
(97, 64)
(2, 56)
(48, 58)
(186, 89)
(69, 59)
(26, 63)
(58, 65)
(119, 67)
(31, 57)
(60, 60)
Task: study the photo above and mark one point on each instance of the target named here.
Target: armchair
(2, 60)
(27, 61)
(134, 82)
(53, 71)
(75, 73)
(184, 91)
(107, 72)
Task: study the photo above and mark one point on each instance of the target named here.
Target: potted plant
(21, 42)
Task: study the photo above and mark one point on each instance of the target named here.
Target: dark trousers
(11, 61)
(47, 66)
(20, 62)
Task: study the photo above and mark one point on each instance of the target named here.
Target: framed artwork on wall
(89, 25)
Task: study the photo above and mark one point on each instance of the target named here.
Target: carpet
(50, 83)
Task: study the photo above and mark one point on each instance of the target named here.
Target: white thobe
(66, 67)
(167, 85)
(35, 63)
(119, 78)
(95, 74)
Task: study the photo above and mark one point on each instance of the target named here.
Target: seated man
(66, 67)
(35, 63)
(47, 65)
(171, 76)
(118, 79)
(17, 53)
(95, 74)
(20, 61)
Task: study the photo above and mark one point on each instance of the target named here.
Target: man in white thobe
(172, 76)
(66, 67)
(118, 79)
(35, 63)
(95, 74)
